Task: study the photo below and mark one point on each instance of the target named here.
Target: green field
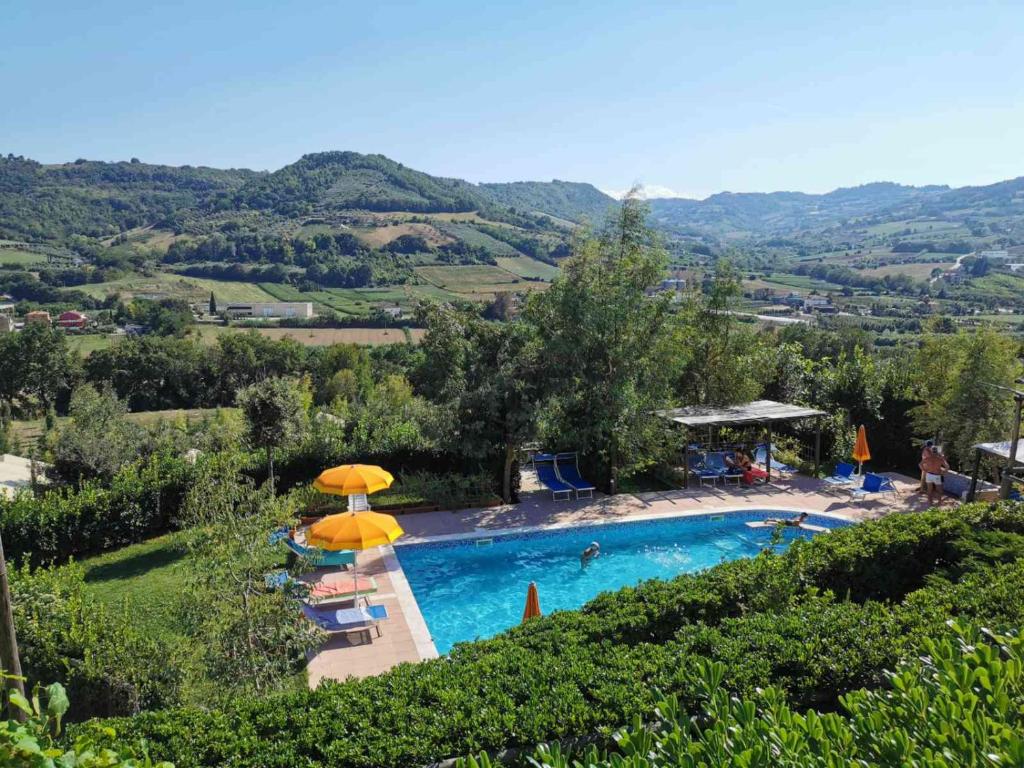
(33, 428)
(88, 343)
(21, 258)
(167, 285)
(524, 266)
(918, 271)
(800, 282)
(918, 228)
(469, 279)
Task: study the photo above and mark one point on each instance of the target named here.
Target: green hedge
(961, 702)
(141, 501)
(827, 617)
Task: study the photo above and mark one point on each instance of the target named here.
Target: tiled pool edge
(486, 533)
(410, 608)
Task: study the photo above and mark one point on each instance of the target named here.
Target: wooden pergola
(759, 412)
(1011, 465)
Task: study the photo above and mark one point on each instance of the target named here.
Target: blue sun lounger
(315, 555)
(843, 477)
(549, 479)
(761, 457)
(716, 463)
(701, 472)
(336, 620)
(570, 473)
(873, 485)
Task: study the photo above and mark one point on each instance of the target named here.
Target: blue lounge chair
(843, 476)
(716, 463)
(761, 457)
(336, 620)
(549, 479)
(570, 473)
(873, 485)
(316, 556)
(702, 473)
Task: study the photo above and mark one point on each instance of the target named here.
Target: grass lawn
(31, 429)
(147, 577)
(88, 343)
(168, 285)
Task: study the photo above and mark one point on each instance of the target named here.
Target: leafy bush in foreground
(827, 617)
(960, 704)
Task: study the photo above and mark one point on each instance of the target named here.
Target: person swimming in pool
(793, 522)
(588, 554)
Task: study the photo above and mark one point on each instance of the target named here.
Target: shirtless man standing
(933, 464)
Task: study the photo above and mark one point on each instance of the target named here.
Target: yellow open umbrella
(353, 479)
(532, 609)
(353, 530)
(861, 453)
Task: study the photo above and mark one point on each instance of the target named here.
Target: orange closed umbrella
(861, 453)
(532, 610)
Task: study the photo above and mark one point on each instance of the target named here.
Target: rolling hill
(572, 201)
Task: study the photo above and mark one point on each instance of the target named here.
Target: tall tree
(274, 415)
(492, 385)
(213, 304)
(954, 374)
(98, 441)
(608, 346)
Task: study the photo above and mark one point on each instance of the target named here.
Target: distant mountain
(94, 199)
(781, 212)
(568, 200)
(351, 181)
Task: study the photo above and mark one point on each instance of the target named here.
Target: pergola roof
(1002, 450)
(757, 412)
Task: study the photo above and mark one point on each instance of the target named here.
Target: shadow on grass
(136, 565)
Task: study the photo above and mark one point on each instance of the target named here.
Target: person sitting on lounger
(744, 462)
(793, 522)
(588, 554)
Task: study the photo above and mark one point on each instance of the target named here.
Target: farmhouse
(72, 319)
(6, 324)
(38, 316)
(271, 309)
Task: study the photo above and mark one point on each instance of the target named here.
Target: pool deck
(404, 635)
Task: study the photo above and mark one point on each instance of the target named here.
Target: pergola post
(817, 445)
(768, 455)
(1011, 459)
(686, 459)
(974, 474)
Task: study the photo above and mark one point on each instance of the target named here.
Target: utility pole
(8, 640)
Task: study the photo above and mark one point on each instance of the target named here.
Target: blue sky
(693, 97)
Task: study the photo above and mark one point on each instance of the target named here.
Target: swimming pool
(473, 589)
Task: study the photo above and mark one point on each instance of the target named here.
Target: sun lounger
(337, 620)
(843, 477)
(761, 458)
(549, 479)
(568, 470)
(701, 472)
(874, 485)
(321, 557)
(340, 587)
(716, 463)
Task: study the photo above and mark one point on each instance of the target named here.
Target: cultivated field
(524, 266)
(918, 271)
(469, 279)
(21, 258)
(381, 236)
(318, 337)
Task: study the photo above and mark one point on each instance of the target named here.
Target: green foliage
(960, 703)
(33, 741)
(960, 407)
(274, 414)
(98, 441)
(110, 665)
(246, 637)
(36, 367)
(612, 344)
(138, 502)
(825, 618)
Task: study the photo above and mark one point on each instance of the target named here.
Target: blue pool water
(468, 591)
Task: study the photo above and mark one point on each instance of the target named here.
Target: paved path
(405, 637)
